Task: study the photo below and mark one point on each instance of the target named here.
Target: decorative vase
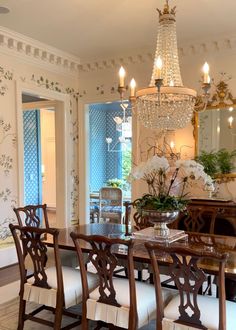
(160, 220)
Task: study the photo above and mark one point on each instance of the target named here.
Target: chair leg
(21, 317)
(84, 324)
(140, 275)
(58, 316)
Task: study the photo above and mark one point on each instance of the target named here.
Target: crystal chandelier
(166, 104)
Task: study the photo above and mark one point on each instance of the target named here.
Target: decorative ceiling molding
(197, 48)
(34, 52)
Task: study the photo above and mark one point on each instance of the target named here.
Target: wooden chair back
(29, 242)
(32, 216)
(101, 253)
(139, 221)
(184, 270)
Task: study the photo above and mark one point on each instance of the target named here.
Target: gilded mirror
(215, 124)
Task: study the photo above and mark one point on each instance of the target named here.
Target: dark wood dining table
(199, 241)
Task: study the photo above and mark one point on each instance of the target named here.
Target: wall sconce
(121, 140)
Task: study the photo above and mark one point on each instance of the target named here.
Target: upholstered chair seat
(72, 287)
(209, 307)
(119, 303)
(189, 310)
(119, 316)
(53, 288)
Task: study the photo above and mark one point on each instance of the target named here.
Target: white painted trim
(39, 104)
(35, 52)
(84, 170)
(62, 126)
(195, 47)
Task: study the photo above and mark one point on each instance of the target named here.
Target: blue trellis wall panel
(104, 165)
(32, 157)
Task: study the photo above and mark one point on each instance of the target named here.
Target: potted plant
(167, 188)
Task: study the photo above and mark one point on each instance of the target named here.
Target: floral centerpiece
(167, 184)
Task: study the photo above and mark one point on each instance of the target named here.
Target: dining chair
(36, 216)
(118, 303)
(111, 204)
(189, 308)
(54, 288)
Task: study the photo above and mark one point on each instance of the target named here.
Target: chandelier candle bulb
(122, 77)
(158, 65)
(206, 77)
(132, 87)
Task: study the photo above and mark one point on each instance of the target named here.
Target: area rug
(9, 292)
(9, 317)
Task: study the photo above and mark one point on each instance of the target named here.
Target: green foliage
(219, 162)
(116, 183)
(209, 162)
(225, 160)
(126, 163)
(164, 203)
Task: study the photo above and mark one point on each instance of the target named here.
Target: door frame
(62, 109)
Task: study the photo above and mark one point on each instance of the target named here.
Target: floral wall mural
(7, 192)
(10, 72)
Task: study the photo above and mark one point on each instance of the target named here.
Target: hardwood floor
(9, 274)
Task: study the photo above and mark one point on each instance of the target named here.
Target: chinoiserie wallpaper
(10, 72)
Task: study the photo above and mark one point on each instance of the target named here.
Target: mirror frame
(221, 98)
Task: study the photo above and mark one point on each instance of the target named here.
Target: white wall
(48, 151)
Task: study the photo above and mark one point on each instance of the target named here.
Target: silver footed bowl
(161, 220)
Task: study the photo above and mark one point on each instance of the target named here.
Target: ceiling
(101, 29)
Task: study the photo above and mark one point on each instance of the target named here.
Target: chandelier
(123, 127)
(166, 104)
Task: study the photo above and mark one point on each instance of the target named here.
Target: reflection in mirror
(216, 130)
(215, 125)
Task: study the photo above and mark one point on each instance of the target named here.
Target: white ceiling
(101, 29)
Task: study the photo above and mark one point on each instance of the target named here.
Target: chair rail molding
(37, 53)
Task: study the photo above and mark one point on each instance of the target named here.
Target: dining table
(198, 241)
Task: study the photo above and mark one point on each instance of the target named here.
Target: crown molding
(189, 49)
(37, 53)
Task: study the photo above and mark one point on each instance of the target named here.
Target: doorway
(39, 154)
(61, 104)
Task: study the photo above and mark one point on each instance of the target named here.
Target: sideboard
(202, 215)
(210, 216)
